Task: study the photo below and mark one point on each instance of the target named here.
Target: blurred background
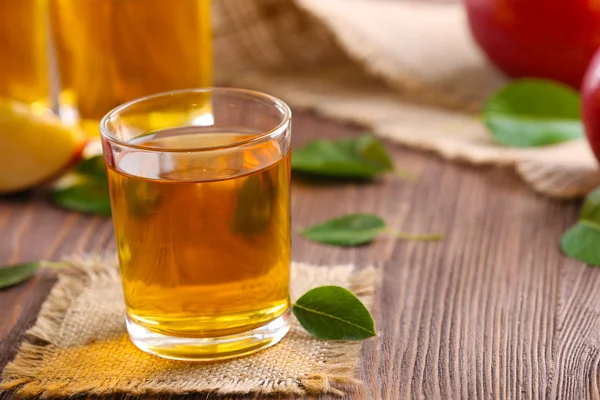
(410, 70)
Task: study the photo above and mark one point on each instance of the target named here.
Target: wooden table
(492, 311)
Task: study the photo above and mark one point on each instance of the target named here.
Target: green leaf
(349, 230)
(582, 240)
(334, 313)
(591, 207)
(361, 157)
(14, 274)
(534, 112)
(92, 167)
(89, 196)
(357, 229)
(85, 189)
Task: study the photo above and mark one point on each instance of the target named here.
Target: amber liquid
(113, 51)
(23, 59)
(203, 238)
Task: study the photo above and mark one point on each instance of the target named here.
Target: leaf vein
(333, 317)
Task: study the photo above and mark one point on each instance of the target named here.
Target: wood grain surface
(494, 311)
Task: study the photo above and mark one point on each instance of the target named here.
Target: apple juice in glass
(202, 219)
(113, 51)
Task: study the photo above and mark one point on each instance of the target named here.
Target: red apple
(552, 39)
(590, 91)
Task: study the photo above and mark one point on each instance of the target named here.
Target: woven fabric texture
(79, 345)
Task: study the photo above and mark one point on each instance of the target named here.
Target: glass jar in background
(112, 51)
(24, 73)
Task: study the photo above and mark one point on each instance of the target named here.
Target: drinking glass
(201, 210)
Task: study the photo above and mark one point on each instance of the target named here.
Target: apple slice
(34, 147)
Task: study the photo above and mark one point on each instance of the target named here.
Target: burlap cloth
(407, 70)
(79, 345)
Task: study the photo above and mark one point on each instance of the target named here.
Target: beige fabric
(84, 346)
(407, 70)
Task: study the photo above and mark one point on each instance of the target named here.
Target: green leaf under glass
(142, 197)
(357, 229)
(361, 157)
(582, 240)
(334, 313)
(14, 274)
(88, 196)
(93, 167)
(86, 189)
(254, 205)
(534, 112)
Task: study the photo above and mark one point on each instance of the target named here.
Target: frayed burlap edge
(22, 374)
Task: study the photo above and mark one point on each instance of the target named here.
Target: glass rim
(259, 138)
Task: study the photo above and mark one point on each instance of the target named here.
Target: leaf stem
(404, 174)
(52, 264)
(429, 237)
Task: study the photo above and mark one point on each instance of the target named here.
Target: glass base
(209, 349)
